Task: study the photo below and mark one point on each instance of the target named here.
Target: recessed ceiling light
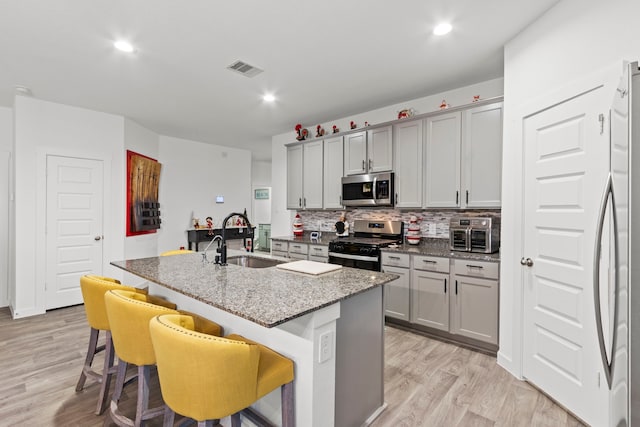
(268, 97)
(442, 29)
(123, 46)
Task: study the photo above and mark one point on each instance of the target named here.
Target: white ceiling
(323, 60)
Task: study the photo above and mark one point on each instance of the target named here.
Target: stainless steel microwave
(368, 190)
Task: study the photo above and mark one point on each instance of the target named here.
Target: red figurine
(319, 131)
(302, 133)
(476, 98)
(352, 124)
(335, 129)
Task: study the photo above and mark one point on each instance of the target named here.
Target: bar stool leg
(91, 352)
(107, 372)
(287, 401)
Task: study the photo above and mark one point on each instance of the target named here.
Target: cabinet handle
(300, 201)
(396, 199)
(457, 194)
(445, 286)
(363, 164)
(429, 261)
(394, 257)
(456, 287)
(370, 164)
(474, 266)
(305, 202)
(467, 202)
(317, 249)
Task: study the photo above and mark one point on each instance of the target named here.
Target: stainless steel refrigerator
(617, 256)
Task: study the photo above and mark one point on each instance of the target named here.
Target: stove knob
(365, 251)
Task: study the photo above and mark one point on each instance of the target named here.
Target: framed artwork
(143, 208)
(261, 194)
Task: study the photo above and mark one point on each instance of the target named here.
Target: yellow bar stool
(176, 252)
(93, 288)
(129, 314)
(207, 378)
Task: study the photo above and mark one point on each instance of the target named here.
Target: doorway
(74, 216)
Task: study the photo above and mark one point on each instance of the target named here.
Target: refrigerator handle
(607, 365)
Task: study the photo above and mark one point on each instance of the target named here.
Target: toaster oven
(474, 234)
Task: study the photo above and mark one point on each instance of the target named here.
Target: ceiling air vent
(244, 69)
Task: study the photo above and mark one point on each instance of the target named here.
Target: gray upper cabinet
(407, 156)
(482, 156)
(333, 172)
(368, 151)
(304, 175)
(442, 171)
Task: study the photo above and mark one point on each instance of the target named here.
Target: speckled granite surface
(428, 246)
(440, 248)
(266, 296)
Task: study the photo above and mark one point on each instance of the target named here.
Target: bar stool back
(207, 378)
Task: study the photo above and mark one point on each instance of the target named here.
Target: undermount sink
(252, 261)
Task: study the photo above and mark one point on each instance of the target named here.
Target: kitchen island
(330, 325)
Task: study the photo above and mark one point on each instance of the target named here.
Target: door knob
(528, 262)
(97, 238)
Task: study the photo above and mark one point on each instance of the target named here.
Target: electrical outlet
(325, 351)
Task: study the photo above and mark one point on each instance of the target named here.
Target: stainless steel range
(362, 250)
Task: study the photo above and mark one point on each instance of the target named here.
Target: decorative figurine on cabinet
(196, 223)
(209, 225)
(302, 133)
(413, 232)
(406, 113)
(444, 105)
(353, 125)
(335, 129)
(476, 98)
(319, 131)
(298, 228)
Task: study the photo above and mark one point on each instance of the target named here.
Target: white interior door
(74, 227)
(4, 228)
(565, 168)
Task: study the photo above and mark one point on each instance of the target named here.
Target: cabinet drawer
(319, 251)
(279, 253)
(294, 255)
(467, 267)
(278, 245)
(395, 260)
(298, 248)
(318, 258)
(430, 263)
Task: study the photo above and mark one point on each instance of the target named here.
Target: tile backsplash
(433, 223)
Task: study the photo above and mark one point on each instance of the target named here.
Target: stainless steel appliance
(474, 234)
(617, 261)
(362, 250)
(368, 190)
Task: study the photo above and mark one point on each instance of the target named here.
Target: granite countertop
(440, 248)
(267, 296)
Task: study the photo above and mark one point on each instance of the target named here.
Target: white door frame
(41, 209)
(5, 239)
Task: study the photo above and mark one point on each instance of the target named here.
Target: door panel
(564, 168)
(74, 227)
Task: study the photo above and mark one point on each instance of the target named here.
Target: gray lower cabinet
(430, 292)
(455, 296)
(475, 300)
(298, 250)
(280, 248)
(397, 293)
(318, 253)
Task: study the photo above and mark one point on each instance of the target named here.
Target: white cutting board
(309, 267)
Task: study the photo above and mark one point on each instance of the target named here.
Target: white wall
(43, 128)
(193, 174)
(6, 205)
(281, 218)
(566, 44)
(145, 142)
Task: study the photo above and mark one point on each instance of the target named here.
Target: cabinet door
(482, 156)
(396, 294)
(333, 170)
(475, 308)
(355, 153)
(380, 149)
(408, 164)
(294, 177)
(312, 175)
(430, 299)
(442, 171)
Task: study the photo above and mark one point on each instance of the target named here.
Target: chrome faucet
(222, 250)
(218, 238)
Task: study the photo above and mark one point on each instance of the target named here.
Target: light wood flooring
(427, 382)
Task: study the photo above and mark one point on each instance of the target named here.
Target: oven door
(459, 239)
(356, 261)
(480, 240)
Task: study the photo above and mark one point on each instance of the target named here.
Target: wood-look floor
(427, 382)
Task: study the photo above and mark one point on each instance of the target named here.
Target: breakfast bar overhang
(331, 325)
